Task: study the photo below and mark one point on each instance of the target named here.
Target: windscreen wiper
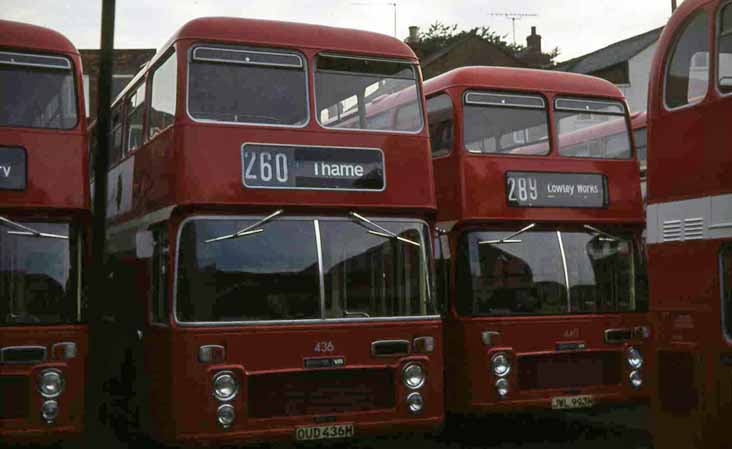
(249, 230)
(509, 239)
(382, 232)
(603, 233)
(28, 231)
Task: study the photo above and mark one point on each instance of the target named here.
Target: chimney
(413, 35)
(533, 42)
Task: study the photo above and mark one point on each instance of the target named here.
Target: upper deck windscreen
(368, 94)
(37, 91)
(592, 128)
(505, 123)
(247, 85)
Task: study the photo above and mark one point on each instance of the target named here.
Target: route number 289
(522, 189)
(324, 346)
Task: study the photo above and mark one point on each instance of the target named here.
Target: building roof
(612, 54)
(532, 80)
(293, 35)
(33, 37)
(434, 56)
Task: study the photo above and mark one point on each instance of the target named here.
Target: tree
(440, 35)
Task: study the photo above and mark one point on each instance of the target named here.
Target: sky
(576, 27)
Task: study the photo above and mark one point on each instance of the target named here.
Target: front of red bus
(301, 297)
(548, 279)
(44, 207)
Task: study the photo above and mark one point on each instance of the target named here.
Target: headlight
(51, 383)
(225, 386)
(501, 365)
(636, 380)
(225, 415)
(635, 359)
(49, 411)
(415, 402)
(413, 376)
(502, 387)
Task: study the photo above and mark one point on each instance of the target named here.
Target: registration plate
(567, 402)
(309, 433)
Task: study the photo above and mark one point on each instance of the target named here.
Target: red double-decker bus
(44, 211)
(689, 218)
(270, 239)
(539, 201)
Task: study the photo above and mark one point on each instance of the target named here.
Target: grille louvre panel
(569, 370)
(14, 401)
(688, 229)
(323, 392)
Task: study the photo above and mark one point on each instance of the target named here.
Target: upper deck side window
(495, 122)
(163, 93)
(592, 128)
(135, 106)
(724, 49)
(368, 94)
(687, 68)
(441, 125)
(233, 84)
(640, 136)
(37, 91)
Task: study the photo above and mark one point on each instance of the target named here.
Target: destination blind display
(311, 167)
(541, 189)
(13, 168)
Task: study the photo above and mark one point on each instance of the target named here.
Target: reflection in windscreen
(270, 275)
(247, 86)
(367, 94)
(37, 97)
(528, 277)
(513, 124)
(38, 276)
(373, 276)
(511, 278)
(601, 272)
(591, 128)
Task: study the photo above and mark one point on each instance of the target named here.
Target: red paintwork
(471, 194)
(196, 168)
(57, 187)
(690, 158)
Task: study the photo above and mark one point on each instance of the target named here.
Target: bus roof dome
(293, 35)
(33, 37)
(523, 79)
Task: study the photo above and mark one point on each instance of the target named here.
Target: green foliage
(440, 35)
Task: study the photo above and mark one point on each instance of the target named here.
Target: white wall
(639, 68)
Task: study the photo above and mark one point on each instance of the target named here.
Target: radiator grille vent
(689, 229)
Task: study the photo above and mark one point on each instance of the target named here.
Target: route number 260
(324, 346)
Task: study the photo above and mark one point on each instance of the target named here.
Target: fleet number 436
(324, 346)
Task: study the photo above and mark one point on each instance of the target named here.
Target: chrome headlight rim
(49, 410)
(507, 363)
(633, 353)
(220, 415)
(46, 373)
(406, 376)
(415, 399)
(235, 391)
(502, 384)
(636, 379)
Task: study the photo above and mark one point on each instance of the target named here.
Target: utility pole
(514, 17)
(97, 284)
